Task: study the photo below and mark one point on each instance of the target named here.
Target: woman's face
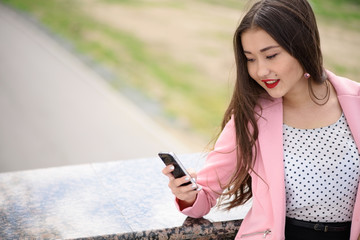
(273, 68)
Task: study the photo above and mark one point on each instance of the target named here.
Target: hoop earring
(312, 94)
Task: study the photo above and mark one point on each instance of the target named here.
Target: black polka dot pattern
(321, 172)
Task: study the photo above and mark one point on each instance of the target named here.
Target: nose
(262, 69)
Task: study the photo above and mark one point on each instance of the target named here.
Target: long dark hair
(292, 24)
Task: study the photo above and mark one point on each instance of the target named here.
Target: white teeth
(271, 82)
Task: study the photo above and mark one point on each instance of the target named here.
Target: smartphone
(179, 171)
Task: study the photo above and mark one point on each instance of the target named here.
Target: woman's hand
(186, 194)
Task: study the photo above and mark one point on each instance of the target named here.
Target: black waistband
(320, 226)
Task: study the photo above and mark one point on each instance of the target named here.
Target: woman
(290, 137)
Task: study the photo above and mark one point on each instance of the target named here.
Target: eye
(250, 59)
(272, 56)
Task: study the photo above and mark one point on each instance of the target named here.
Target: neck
(303, 98)
(299, 101)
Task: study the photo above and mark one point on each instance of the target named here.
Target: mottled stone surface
(191, 229)
(114, 200)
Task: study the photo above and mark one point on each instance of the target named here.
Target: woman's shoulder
(344, 86)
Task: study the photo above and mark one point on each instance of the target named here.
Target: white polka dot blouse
(321, 172)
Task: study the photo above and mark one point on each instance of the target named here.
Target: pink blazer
(266, 218)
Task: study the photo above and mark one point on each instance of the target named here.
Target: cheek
(251, 70)
(295, 72)
(294, 68)
(253, 74)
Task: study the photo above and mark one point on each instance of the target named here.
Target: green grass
(235, 4)
(145, 3)
(344, 12)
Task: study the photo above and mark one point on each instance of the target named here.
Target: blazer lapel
(348, 93)
(271, 151)
(351, 108)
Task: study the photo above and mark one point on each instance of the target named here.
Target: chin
(275, 95)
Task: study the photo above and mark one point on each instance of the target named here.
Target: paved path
(55, 111)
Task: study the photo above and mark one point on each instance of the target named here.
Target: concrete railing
(115, 200)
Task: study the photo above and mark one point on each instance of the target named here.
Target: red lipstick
(271, 83)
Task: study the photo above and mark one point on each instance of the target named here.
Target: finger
(180, 185)
(168, 171)
(186, 193)
(180, 181)
(183, 185)
(192, 173)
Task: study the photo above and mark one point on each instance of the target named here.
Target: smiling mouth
(271, 83)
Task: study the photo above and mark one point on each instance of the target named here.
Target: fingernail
(199, 188)
(187, 178)
(194, 179)
(194, 185)
(172, 167)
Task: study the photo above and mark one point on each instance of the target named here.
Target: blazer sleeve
(219, 167)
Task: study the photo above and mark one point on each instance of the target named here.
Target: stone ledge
(115, 200)
(201, 229)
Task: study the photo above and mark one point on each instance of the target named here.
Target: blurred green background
(174, 58)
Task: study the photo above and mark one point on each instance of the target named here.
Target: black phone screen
(168, 159)
(178, 172)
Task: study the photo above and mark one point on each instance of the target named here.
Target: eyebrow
(264, 49)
